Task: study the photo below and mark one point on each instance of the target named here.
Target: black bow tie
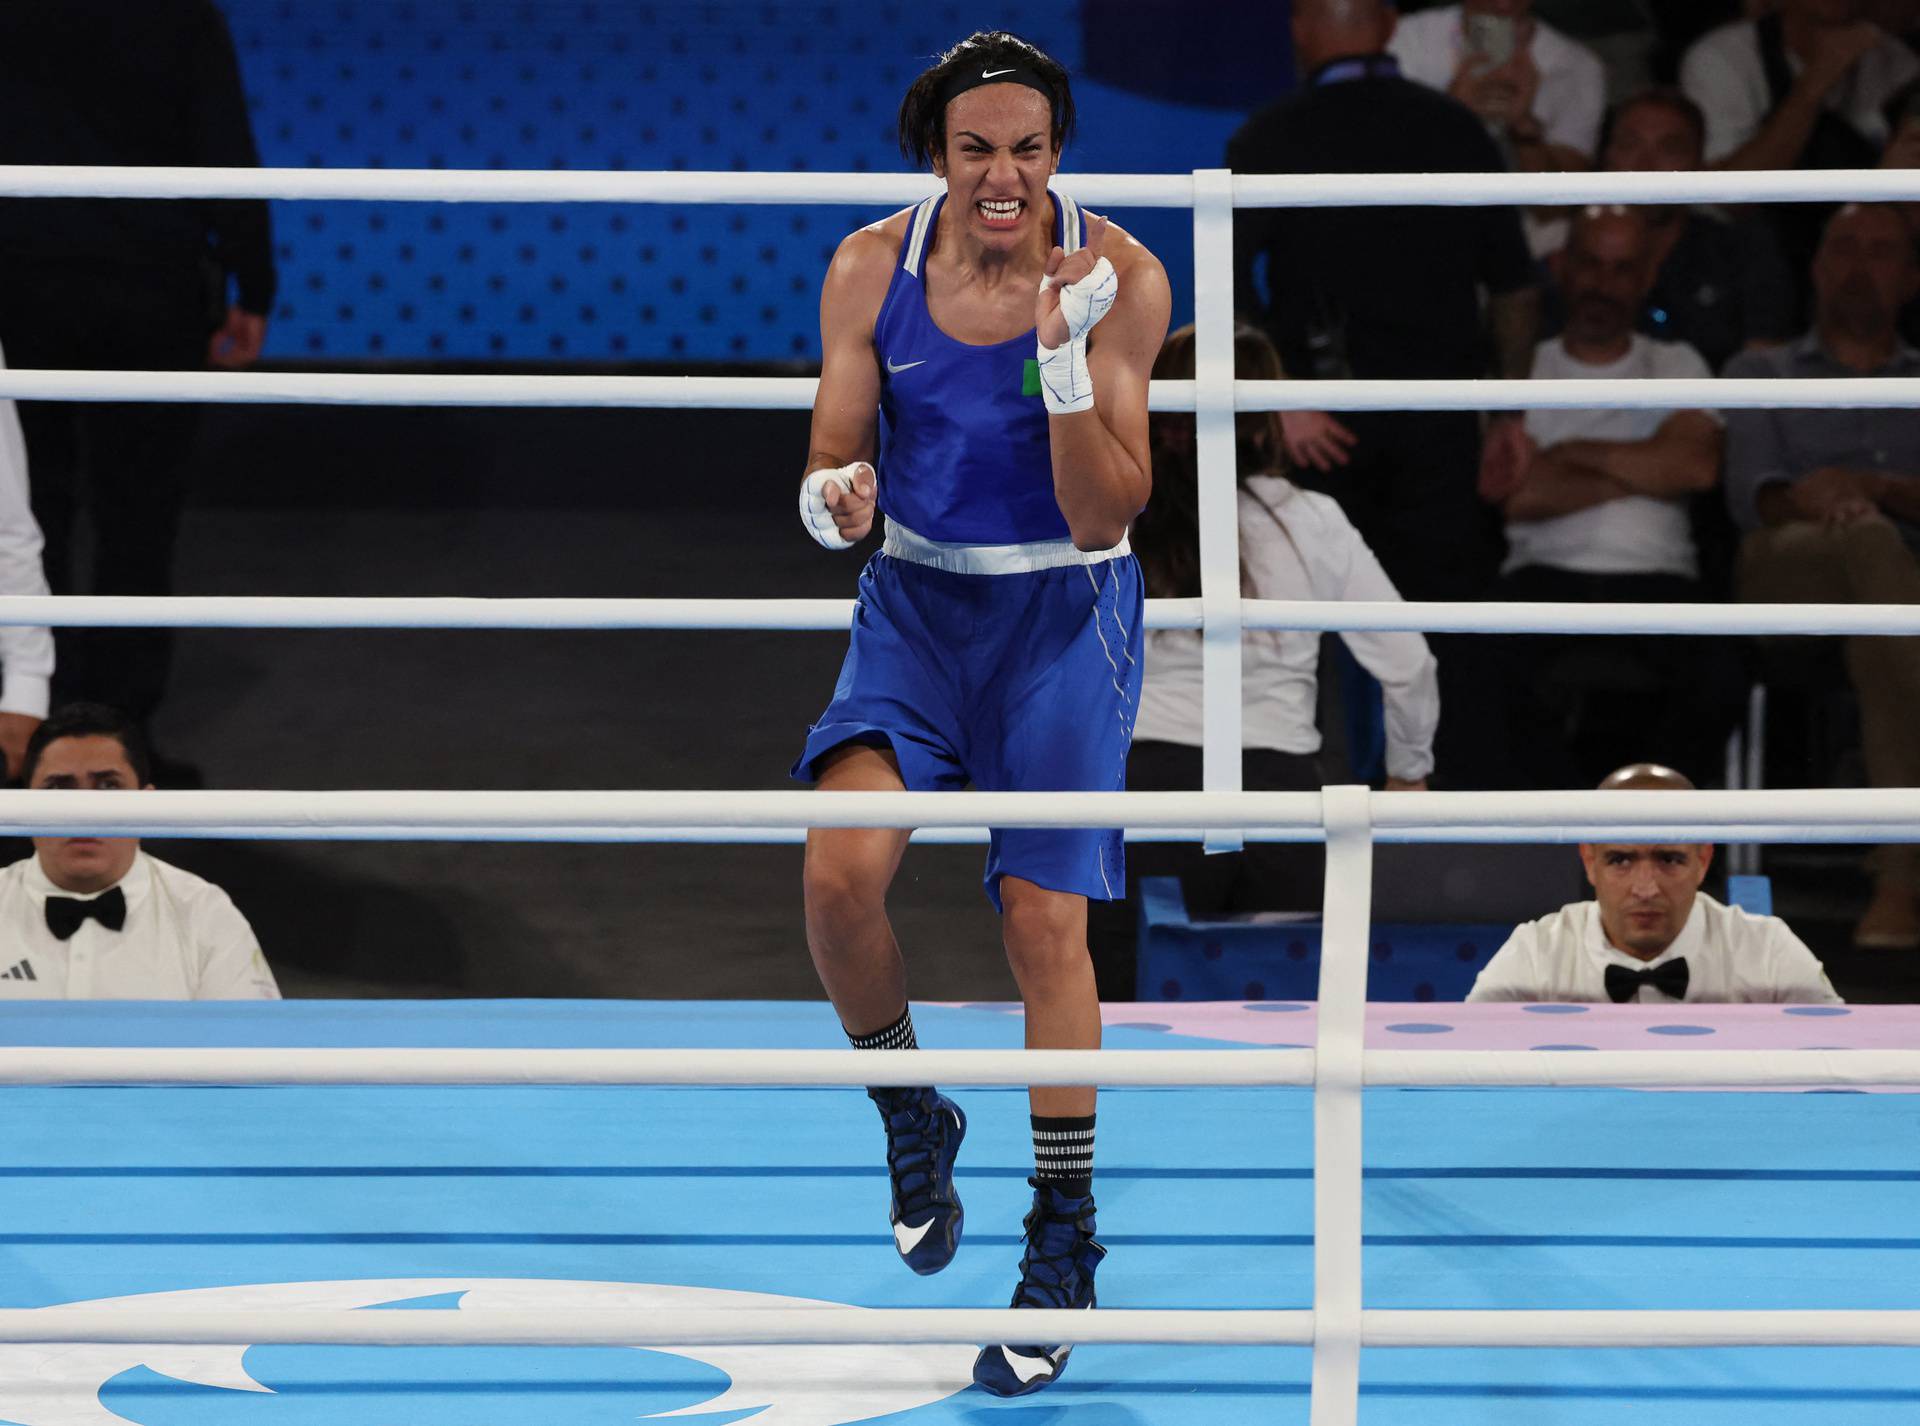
(66, 913)
(1669, 978)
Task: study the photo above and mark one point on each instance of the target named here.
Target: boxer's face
(89, 762)
(999, 155)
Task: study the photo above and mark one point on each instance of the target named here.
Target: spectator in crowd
(1720, 284)
(1540, 92)
(1831, 501)
(110, 284)
(96, 918)
(1596, 509)
(26, 652)
(1649, 936)
(1294, 544)
(1391, 293)
(1802, 86)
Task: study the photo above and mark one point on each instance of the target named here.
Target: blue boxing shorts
(1022, 681)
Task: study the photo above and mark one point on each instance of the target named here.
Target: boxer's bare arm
(1102, 472)
(846, 408)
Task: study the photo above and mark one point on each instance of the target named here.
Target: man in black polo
(123, 285)
(1391, 293)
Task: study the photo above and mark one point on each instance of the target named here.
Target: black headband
(975, 73)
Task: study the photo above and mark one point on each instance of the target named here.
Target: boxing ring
(379, 1212)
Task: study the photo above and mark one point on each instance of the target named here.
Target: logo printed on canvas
(787, 1386)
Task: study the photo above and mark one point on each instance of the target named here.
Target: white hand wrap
(1064, 382)
(814, 513)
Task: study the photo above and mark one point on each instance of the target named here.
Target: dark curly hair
(923, 113)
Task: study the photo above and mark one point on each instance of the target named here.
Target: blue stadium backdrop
(616, 84)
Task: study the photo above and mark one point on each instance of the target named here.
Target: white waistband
(904, 544)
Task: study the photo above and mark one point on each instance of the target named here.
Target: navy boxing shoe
(924, 1130)
(1056, 1271)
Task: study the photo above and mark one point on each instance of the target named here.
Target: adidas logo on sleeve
(21, 971)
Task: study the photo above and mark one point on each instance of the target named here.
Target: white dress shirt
(1732, 957)
(1636, 534)
(26, 652)
(1724, 74)
(1296, 544)
(1572, 97)
(183, 940)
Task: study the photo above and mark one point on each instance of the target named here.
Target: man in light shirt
(1801, 87)
(96, 918)
(1542, 93)
(1597, 510)
(1649, 936)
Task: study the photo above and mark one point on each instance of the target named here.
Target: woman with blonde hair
(1294, 544)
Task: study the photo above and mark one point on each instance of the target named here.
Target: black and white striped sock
(1063, 1153)
(897, 1036)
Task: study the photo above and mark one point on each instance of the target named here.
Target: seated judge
(1649, 936)
(97, 918)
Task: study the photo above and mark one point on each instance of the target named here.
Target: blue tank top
(964, 453)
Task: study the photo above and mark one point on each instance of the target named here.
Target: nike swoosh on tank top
(964, 453)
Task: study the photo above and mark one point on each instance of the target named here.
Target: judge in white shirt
(1650, 937)
(96, 918)
(1294, 544)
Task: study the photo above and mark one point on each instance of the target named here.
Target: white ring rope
(1131, 190)
(834, 1325)
(1240, 1069)
(1849, 814)
(641, 1326)
(131, 611)
(53, 1065)
(796, 393)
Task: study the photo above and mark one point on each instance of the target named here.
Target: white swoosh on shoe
(1024, 1366)
(907, 1238)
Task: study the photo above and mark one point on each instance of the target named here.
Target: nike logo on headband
(991, 73)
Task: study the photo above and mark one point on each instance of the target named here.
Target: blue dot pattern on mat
(1560, 1047)
(1278, 1007)
(1818, 1010)
(1679, 1029)
(1420, 1027)
(1553, 1008)
(1137, 1025)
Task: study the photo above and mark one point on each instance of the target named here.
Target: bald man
(1650, 937)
